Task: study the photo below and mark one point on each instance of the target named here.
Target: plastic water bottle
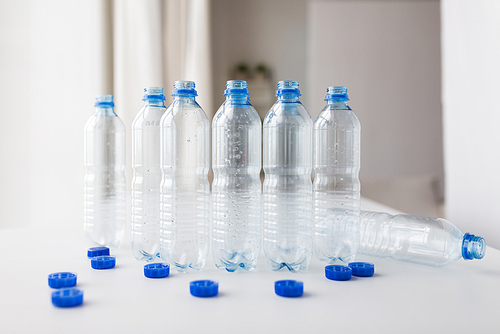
(147, 176)
(336, 184)
(287, 190)
(185, 191)
(430, 241)
(236, 189)
(104, 190)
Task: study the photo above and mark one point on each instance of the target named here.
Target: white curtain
(155, 43)
(56, 56)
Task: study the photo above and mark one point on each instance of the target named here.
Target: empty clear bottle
(287, 189)
(185, 191)
(336, 187)
(147, 176)
(236, 189)
(104, 190)
(430, 241)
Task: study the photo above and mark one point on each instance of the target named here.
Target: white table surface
(463, 297)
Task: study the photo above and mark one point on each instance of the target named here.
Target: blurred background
(422, 77)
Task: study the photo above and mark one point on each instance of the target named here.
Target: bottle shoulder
(229, 113)
(330, 117)
(287, 114)
(180, 111)
(148, 114)
(104, 123)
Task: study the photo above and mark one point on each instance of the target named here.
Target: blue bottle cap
(362, 269)
(289, 288)
(97, 251)
(204, 288)
(156, 270)
(103, 262)
(338, 272)
(62, 280)
(67, 297)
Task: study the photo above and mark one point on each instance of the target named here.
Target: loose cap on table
(62, 280)
(338, 272)
(97, 251)
(103, 262)
(67, 297)
(156, 270)
(362, 269)
(289, 288)
(204, 288)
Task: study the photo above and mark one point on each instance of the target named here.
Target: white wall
(387, 54)
(14, 148)
(273, 32)
(48, 86)
(471, 72)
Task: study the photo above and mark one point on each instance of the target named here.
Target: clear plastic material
(236, 189)
(104, 187)
(430, 241)
(287, 190)
(145, 220)
(185, 191)
(336, 184)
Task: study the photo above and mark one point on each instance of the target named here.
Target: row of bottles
(171, 193)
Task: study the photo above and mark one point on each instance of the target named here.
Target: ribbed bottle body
(185, 190)
(287, 189)
(336, 187)
(145, 218)
(423, 240)
(104, 184)
(236, 189)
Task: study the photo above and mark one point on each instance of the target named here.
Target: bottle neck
(288, 98)
(189, 99)
(154, 103)
(337, 104)
(105, 111)
(237, 99)
(473, 247)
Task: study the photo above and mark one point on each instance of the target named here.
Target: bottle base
(143, 255)
(237, 260)
(293, 267)
(183, 268)
(335, 259)
(232, 267)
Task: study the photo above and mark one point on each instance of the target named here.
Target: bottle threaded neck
(336, 93)
(288, 89)
(473, 247)
(184, 89)
(104, 101)
(236, 89)
(153, 93)
(290, 84)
